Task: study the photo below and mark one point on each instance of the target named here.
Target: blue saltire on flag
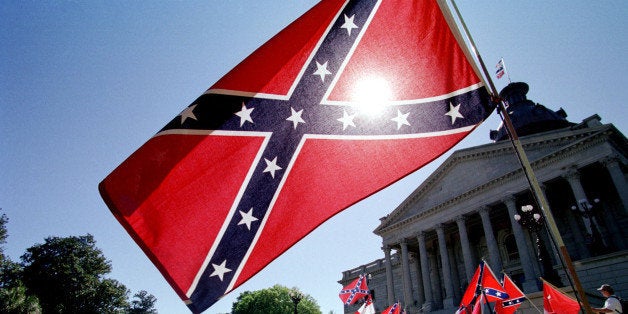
(497, 293)
(513, 302)
(283, 142)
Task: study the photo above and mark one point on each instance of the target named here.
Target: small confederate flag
(556, 302)
(515, 298)
(354, 291)
(491, 287)
(393, 309)
(474, 289)
(482, 283)
(500, 69)
(280, 144)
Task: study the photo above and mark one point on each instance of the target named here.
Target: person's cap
(605, 287)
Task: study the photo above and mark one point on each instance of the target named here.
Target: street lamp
(594, 239)
(296, 297)
(532, 220)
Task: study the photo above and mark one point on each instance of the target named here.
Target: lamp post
(296, 297)
(594, 240)
(531, 219)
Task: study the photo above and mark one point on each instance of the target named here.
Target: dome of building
(527, 117)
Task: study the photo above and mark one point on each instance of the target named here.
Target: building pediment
(470, 169)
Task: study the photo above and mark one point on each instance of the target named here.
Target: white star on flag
(271, 166)
(245, 114)
(321, 69)
(295, 117)
(401, 119)
(454, 112)
(346, 119)
(349, 25)
(188, 113)
(247, 218)
(220, 270)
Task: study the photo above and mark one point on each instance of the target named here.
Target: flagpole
(527, 168)
(490, 309)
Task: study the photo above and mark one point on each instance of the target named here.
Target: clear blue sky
(84, 83)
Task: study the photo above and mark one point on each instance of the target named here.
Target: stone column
(491, 242)
(529, 285)
(419, 281)
(549, 242)
(448, 299)
(437, 286)
(466, 248)
(573, 177)
(455, 277)
(580, 243)
(619, 180)
(425, 273)
(390, 289)
(405, 268)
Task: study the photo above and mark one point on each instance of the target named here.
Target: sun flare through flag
(346, 100)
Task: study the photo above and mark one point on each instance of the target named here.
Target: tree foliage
(274, 300)
(64, 275)
(67, 275)
(144, 304)
(13, 297)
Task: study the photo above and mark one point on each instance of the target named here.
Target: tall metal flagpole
(527, 168)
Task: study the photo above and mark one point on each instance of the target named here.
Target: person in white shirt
(612, 303)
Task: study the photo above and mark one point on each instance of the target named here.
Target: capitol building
(470, 209)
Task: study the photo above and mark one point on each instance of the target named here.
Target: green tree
(15, 300)
(13, 297)
(64, 275)
(3, 232)
(67, 276)
(274, 300)
(144, 304)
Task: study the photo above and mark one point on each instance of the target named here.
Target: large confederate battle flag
(282, 142)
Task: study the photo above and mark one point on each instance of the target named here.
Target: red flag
(280, 144)
(393, 309)
(473, 289)
(478, 308)
(354, 291)
(515, 298)
(554, 301)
